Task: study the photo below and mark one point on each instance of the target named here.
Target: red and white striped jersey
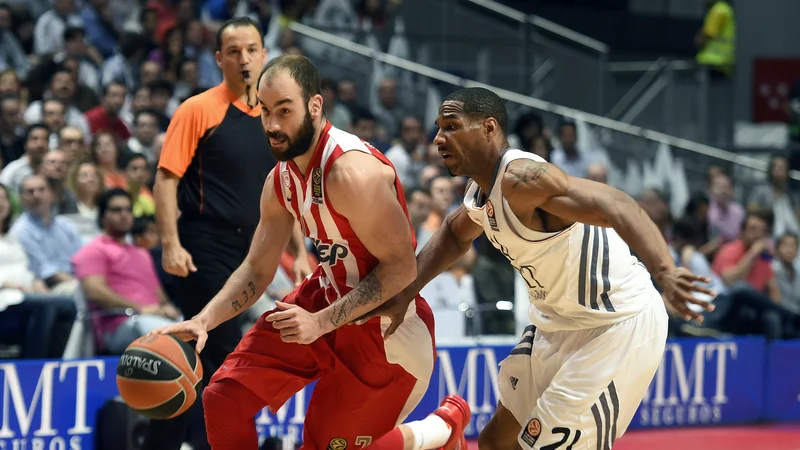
(343, 258)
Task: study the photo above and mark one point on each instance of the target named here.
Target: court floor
(757, 437)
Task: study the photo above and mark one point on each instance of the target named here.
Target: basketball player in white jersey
(599, 327)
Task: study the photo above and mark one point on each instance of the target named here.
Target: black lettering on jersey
(529, 275)
(331, 253)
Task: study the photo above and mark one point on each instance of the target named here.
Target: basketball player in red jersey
(347, 198)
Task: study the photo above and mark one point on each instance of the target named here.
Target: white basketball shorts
(579, 390)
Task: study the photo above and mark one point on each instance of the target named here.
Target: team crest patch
(316, 185)
(490, 215)
(337, 444)
(531, 432)
(286, 180)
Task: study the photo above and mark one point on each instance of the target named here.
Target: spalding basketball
(159, 376)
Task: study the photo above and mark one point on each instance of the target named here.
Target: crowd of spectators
(87, 91)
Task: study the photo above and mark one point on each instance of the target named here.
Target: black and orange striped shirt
(217, 145)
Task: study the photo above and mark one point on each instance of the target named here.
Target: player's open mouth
(274, 141)
(445, 154)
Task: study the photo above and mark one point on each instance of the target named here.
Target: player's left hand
(295, 323)
(678, 285)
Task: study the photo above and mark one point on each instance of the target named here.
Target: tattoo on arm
(527, 172)
(246, 297)
(370, 290)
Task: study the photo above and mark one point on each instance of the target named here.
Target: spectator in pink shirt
(117, 276)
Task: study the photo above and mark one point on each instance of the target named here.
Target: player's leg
(592, 398)
(444, 428)
(501, 432)
(262, 371)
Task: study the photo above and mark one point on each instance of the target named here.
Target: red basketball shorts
(365, 387)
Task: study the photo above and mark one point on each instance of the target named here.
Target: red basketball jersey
(343, 258)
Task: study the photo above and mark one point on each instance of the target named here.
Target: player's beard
(298, 145)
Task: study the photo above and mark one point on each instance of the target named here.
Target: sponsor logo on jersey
(330, 253)
(514, 382)
(531, 432)
(316, 185)
(490, 215)
(337, 444)
(286, 180)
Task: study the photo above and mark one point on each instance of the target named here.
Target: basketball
(159, 376)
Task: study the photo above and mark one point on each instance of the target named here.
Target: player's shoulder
(346, 141)
(522, 169)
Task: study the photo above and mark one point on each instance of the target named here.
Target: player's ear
(490, 127)
(315, 106)
(218, 57)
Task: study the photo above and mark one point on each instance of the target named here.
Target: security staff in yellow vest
(716, 40)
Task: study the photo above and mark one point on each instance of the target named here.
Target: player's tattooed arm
(542, 185)
(368, 292)
(248, 294)
(362, 189)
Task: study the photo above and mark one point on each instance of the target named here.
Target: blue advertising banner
(782, 388)
(54, 404)
(703, 382)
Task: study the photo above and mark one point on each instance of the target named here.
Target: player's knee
(222, 399)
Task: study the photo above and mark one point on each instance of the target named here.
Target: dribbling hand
(189, 330)
(177, 261)
(678, 285)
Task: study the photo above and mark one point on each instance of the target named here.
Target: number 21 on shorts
(532, 431)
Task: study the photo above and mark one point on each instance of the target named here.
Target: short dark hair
(144, 112)
(363, 114)
(105, 199)
(33, 127)
(133, 156)
(760, 213)
(688, 230)
(565, 123)
(238, 22)
(481, 103)
(410, 193)
(71, 33)
(140, 224)
(300, 68)
(528, 119)
(161, 86)
(59, 69)
(107, 86)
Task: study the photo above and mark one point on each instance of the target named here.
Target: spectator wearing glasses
(116, 275)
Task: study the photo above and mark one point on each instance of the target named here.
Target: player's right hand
(189, 330)
(177, 261)
(395, 309)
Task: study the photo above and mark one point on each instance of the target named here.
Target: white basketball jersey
(581, 277)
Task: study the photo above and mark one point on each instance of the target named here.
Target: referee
(213, 165)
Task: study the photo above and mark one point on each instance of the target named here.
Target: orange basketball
(159, 376)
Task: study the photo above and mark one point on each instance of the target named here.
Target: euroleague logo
(337, 444)
(490, 215)
(531, 432)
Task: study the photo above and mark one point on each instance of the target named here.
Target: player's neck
(489, 167)
(304, 160)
